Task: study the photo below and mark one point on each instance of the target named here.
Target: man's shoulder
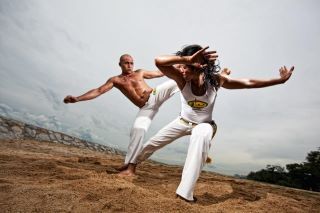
(139, 70)
(113, 78)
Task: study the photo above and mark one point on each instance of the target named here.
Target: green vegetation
(305, 175)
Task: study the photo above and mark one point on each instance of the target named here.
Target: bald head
(126, 63)
(124, 56)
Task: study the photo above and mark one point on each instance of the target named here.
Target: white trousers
(144, 117)
(200, 140)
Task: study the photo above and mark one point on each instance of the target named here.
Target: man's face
(126, 64)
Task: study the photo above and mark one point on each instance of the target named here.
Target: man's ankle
(132, 167)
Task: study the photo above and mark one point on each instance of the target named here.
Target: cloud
(12, 7)
(53, 98)
(50, 122)
(5, 110)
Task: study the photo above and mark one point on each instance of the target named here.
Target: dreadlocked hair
(211, 76)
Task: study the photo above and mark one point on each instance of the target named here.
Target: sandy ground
(48, 177)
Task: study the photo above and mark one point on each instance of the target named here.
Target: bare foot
(122, 168)
(126, 173)
(130, 171)
(188, 201)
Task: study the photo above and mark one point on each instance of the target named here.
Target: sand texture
(50, 177)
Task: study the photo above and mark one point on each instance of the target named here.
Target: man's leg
(143, 120)
(197, 154)
(164, 91)
(137, 133)
(165, 136)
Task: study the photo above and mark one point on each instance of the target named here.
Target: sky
(50, 49)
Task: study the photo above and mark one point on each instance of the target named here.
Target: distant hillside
(13, 129)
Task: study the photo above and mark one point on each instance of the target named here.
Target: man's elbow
(158, 61)
(99, 91)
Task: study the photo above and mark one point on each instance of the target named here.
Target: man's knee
(137, 132)
(142, 122)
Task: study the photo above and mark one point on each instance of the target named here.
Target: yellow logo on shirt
(197, 104)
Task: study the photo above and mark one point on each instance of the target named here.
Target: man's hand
(198, 59)
(225, 71)
(211, 56)
(70, 99)
(285, 74)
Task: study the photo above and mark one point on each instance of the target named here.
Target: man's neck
(127, 73)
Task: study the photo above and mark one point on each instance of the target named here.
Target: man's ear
(119, 64)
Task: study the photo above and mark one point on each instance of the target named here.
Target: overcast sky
(50, 49)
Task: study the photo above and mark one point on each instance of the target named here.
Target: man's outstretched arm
(229, 83)
(152, 74)
(90, 94)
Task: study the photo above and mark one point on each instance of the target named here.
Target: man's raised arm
(152, 74)
(90, 94)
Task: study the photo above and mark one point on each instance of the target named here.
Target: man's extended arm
(229, 83)
(90, 94)
(152, 74)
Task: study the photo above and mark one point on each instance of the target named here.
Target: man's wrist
(186, 60)
(280, 80)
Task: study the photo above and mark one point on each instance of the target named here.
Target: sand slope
(48, 177)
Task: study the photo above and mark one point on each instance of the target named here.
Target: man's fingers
(212, 56)
(284, 68)
(292, 68)
(210, 52)
(67, 99)
(203, 49)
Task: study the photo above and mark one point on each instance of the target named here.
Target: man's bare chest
(129, 82)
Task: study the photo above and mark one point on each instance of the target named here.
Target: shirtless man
(131, 83)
